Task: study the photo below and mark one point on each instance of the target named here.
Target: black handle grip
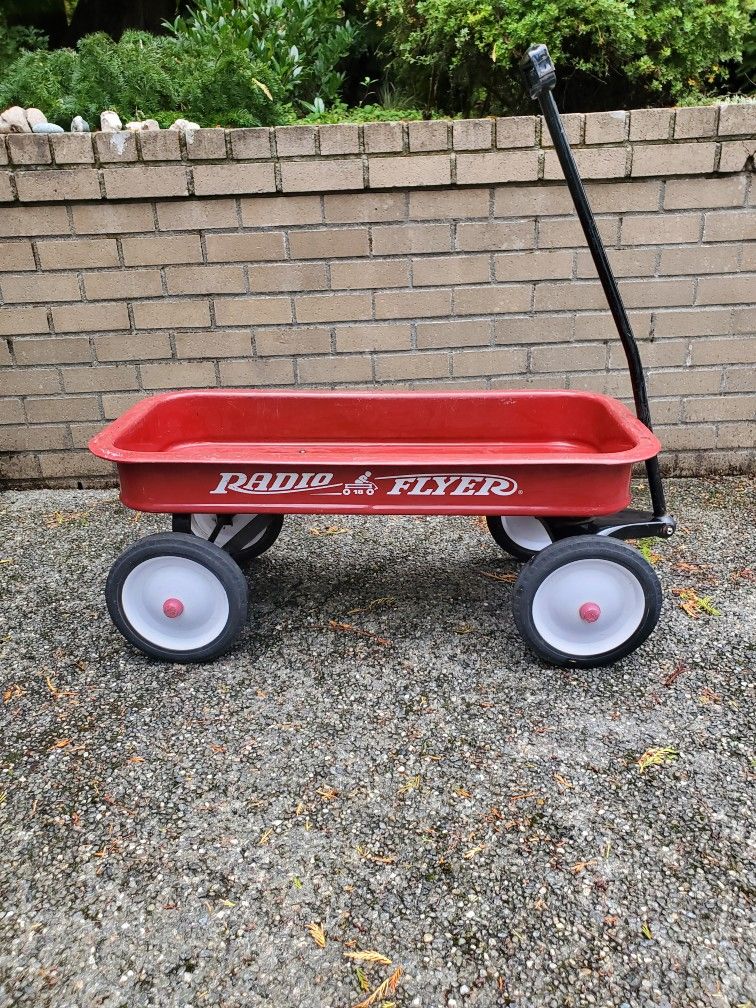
(538, 70)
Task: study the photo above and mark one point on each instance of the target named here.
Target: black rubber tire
(192, 548)
(266, 540)
(585, 547)
(496, 528)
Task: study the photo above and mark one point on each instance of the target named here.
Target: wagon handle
(540, 78)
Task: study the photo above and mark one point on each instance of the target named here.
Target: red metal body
(514, 453)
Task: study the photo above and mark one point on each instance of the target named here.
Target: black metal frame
(238, 542)
(540, 78)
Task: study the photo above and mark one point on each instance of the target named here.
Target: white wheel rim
(557, 603)
(203, 525)
(153, 583)
(527, 532)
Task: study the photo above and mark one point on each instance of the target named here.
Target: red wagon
(550, 470)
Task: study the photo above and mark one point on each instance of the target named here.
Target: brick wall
(388, 255)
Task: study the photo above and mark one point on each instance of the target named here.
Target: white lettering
(418, 489)
(443, 483)
(466, 486)
(503, 487)
(401, 483)
(270, 483)
(234, 480)
(258, 483)
(283, 481)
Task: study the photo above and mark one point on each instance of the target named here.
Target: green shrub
(143, 76)
(42, 80)
(17, 39)
(300, 41)
(462, 55)
(339, 113)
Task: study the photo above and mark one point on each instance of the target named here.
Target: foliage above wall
(258, 62)
(463, 55)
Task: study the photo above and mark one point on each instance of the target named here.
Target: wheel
(203, 526)
(177, 598)
(586, 601)
(519, 535)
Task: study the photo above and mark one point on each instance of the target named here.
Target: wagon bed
(522, 452)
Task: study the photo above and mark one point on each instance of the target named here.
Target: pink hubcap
(589, 612)
(173, 607)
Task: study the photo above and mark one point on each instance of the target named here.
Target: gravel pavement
(407, 778)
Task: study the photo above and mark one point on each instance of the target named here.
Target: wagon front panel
(569, 489)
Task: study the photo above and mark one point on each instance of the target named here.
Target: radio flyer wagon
(550, 470)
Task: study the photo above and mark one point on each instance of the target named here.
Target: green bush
(17, 39)
(339, 112)
(143, 76)
(300, 41)
(462, 55)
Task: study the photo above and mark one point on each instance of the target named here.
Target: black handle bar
(540, 78)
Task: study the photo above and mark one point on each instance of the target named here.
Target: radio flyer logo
(324, 484)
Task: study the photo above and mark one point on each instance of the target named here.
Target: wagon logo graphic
(362, 485)
(322, 484)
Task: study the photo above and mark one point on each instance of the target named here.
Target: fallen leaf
(690, 568)
(693, 604)
(496, 576)
(745, 574)
(462, 792)
(350, 628)
(13, 693)
(317, 934)
(644, 548)
(580, 866)
(646, 930)
(473, 851)
(61, 743)
(563, 783)
(656, 756)
(328, 793)
(674, 675)
(463, 628)
(135, 759)
(522, 797)
(708, 696)
(265, 837)
(388, 986)
(362, 979)
(411, 784)
(330, 530)
(386, 859)
(227, 903)
(387, 600)
(369, 956)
